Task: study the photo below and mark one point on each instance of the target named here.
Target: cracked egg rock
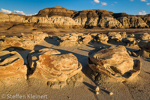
(52, 66)
(115, 62)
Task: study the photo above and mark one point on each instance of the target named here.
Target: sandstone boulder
(12, 65)
(114, 36)
(129, 40)
(103, 38)
(53, 67)
(131, 35)
(68, 40)
(145, 36)
(86, 39)
(68, 43)
(26, 41)
(114, 62)
(123, 34)
(144, 44)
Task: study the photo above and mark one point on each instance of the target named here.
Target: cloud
(5, 11)
(19, 12)
(144, 0)
(148, 3)
(96, 1)
(131, 0)
(116, 2)
(103, 3)
(142, 13)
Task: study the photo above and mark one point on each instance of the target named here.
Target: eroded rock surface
(114, 62)
(52, 66)
(12, 65)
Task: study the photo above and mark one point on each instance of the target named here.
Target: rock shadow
(23, 52)
(52, 40)
(91, 87)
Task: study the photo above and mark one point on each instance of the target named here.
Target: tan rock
(68, 43)
(145, 36)
(114, 36)
(123, 34)
(12, 65)
(4, 17)
(53, 66)
(114, 62)
(27, 41)
(103, 38)
(87, 39)
(144, 44)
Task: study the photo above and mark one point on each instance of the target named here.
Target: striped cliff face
(62, 17)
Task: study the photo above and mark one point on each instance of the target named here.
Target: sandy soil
(137, 89)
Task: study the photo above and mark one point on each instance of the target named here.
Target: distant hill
(62, 17)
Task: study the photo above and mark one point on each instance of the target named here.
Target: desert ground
(135, 89)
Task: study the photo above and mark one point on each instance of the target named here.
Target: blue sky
(28, 7)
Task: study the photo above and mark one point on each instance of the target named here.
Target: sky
(31, 7)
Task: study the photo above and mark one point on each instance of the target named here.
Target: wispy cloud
(112, 4)
(103, 3)
(96, 1)
(116, 2)
(131, 0)
(143, 0)
(19, 12)
(142, 13)
(148, 3)
(6, 11)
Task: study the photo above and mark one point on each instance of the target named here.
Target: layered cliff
(62, 17)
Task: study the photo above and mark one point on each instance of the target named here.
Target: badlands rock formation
(12, 65)
(55, 68)
(26, 41)
(73, 39)
(61, 17)
(114, 62)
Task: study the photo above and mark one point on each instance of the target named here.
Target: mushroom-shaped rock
(12, 65)
(115, 62)
(50, 65)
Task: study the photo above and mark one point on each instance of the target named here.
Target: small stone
(111, 93)
(97, 88)
(97, 92)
